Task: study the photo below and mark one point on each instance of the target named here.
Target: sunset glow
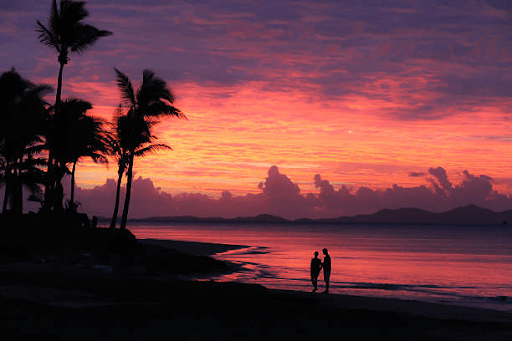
(366, 96)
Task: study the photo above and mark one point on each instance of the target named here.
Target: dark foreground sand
(70, 303)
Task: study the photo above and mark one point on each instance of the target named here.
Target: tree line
(41, 142)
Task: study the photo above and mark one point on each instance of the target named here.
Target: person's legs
(327, 276)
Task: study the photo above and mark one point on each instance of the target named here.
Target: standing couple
(317, 265)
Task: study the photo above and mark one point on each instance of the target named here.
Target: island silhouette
(465, 215)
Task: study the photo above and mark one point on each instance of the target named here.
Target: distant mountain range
(467, 215)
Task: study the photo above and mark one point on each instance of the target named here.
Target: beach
(69, 302)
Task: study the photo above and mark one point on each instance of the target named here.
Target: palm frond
(73, 11)
(166, 109)
(65, 32)
(98, 158)
(153, 89)
(85, 36)
(47, 38)
(151, 149)
(125, 86)
(54, 24)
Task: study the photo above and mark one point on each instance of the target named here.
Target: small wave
(500, 298)
(251, 250)
(390, 286)
(379, 286)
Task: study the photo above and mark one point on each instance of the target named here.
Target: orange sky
(229, 145)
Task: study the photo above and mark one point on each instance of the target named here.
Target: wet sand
(193, 248)
(84, 304)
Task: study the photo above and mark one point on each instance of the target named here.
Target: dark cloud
(440, 182)
(416, 174)
(461, 50)
(505, 5)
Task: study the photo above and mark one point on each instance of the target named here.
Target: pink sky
(372, 97)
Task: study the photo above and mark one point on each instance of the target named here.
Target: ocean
(459, 265)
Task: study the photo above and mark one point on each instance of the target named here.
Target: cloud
(282, 197)
(416, 174)
(442, 185)
(433, 56)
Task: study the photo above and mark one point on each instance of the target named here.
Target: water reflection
(470, 266)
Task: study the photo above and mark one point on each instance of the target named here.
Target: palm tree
(120, 143)
(76, 135)
(67, 34)
(21, 129)
(118, 148)
(152, 100)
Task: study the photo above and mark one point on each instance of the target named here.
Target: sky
(296, 108)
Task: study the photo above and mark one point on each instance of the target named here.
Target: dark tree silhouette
(66, 33)
(122, 141)
(75, 135)
(22, 121)
(152, 100)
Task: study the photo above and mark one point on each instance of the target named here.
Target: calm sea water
(452, 265)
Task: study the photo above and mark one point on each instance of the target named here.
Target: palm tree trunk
(50, 185)
(8, 186)
(57, 195)
(72, 196)
(116, 206)
(59, 84)
(129, 176)
(17, 201)
(6, 197)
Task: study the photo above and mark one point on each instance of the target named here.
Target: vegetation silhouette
(75, 135)
(118, 147)
(144, 107)
(121, 141)
(22, 127)
(66, 33)
(35, 135)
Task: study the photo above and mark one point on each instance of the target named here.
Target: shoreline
(193, 248)
(210, 249)
(83, 304)
(354, 302)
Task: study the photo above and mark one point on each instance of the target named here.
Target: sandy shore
(82, 304)
(193, 248)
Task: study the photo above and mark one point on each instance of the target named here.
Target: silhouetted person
(326, 265)
(316, 266)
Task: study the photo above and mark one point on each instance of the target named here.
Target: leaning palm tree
(66, 33)
(120, 143)
(151, 101)
(21, 130)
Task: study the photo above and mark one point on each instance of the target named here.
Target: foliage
(66, 33)
(144, 108)
(22, 126)
(76, 135)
